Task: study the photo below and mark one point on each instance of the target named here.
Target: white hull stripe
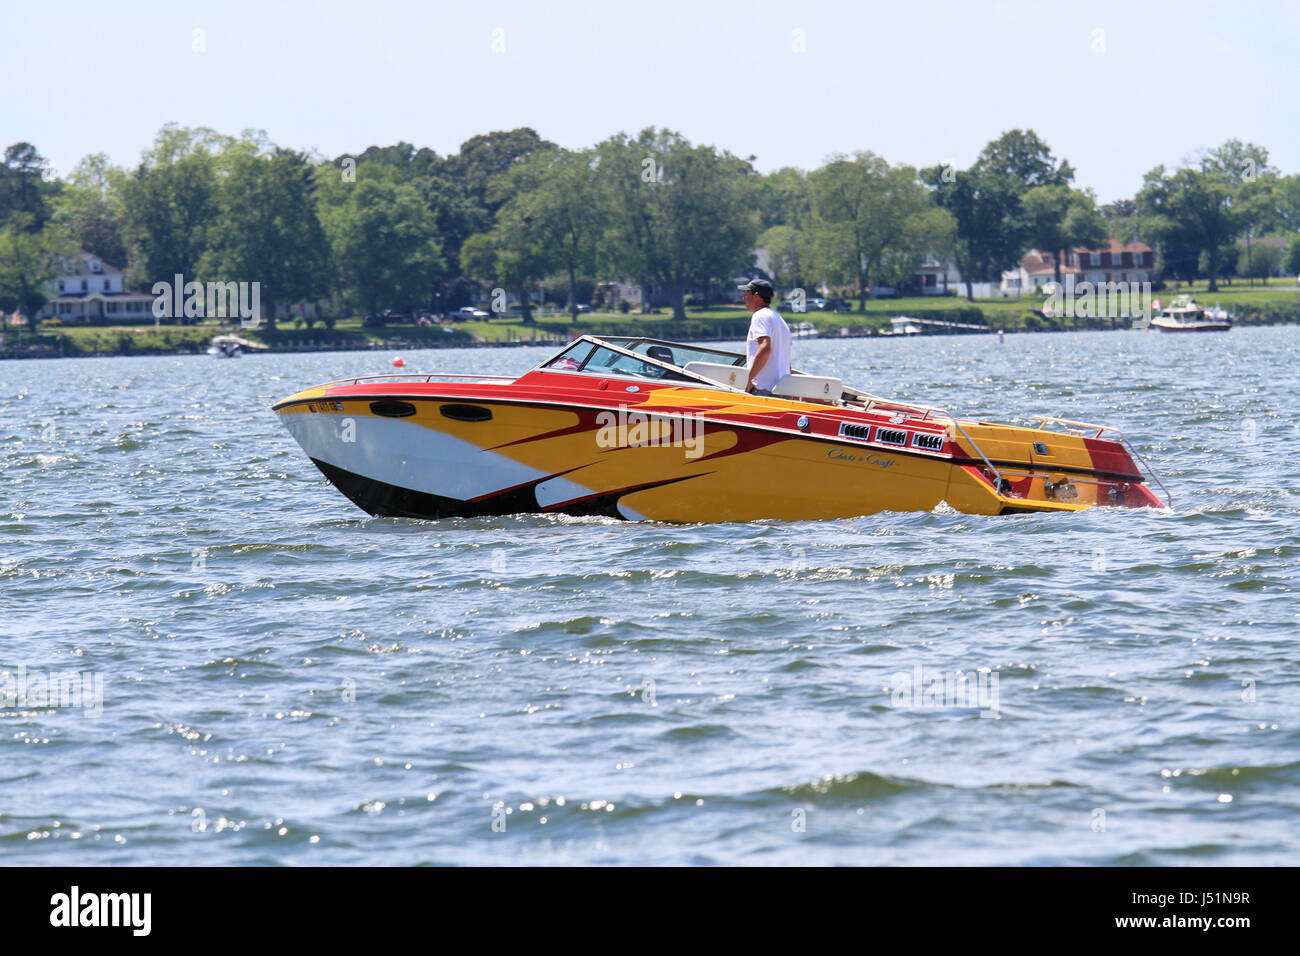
(409, 456)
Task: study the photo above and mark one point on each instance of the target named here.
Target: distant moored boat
(1186, 316)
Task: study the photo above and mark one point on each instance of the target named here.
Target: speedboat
(1186, 316)
(646, 429)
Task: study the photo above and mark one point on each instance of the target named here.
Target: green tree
(90, 209)
(384, 243)
(1259, 262)
(24, 190)
(1058, 217)
(986, 201)
(872, 221)
(409, 163)
(514, 259)
(989, 223)
(28, 264)
(1022, 156)
(266, 228)
(456, 214)
(558, 202)
(932, 230)
(1292, 261)
(1193, 209)
(788, 250)
(1286, 215)
(682, 214)
(1237, 163)
(481, 159)
(170, 201)
(784, 198)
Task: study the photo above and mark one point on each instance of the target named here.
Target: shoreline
(311, 345)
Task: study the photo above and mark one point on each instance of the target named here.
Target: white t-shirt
(767, 322)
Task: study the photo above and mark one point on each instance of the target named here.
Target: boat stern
(1010, 469)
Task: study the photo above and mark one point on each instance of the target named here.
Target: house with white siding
(937, 276)
(88, 289)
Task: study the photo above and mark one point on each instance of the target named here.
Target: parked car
(809, 305)
(839, 305)
(470, 314)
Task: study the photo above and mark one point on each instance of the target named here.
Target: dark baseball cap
(761, 286)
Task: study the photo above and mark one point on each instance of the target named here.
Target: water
(286, 680)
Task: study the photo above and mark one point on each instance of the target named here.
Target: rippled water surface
(286, 680)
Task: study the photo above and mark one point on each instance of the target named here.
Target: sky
(1114, 87)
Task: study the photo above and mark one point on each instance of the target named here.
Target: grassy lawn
(1278, 292)
(119, 339)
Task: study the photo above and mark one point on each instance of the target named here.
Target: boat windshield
(586, 355)
(605, 361)
(674, 353)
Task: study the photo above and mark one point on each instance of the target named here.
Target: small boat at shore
(1186, 316)
(233, 346)
(645, 429)
(902, 325)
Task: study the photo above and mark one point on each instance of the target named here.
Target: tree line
(404, 229)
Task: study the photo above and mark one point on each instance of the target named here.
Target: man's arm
(760, 359)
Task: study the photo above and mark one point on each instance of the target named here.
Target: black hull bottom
(390, 501)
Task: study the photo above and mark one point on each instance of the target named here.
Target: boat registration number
(325, 406)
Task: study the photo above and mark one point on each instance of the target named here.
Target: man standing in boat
(767, 348)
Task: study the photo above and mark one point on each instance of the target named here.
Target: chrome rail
(1047, 419)
(974, 444)
(1123, 440)
(421, 377)
(933, 410)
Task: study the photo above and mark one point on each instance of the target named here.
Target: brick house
(1113, 262)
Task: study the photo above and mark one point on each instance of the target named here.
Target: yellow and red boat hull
(555, 442)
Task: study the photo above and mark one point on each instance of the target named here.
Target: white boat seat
(814, 387)
(795, 385)
(734, 375)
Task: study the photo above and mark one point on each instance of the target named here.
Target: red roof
(1114, 247)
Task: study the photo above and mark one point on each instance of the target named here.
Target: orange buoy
(399, 362)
